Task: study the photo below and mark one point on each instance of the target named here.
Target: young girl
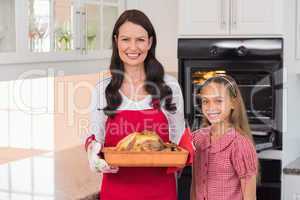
(225, 166)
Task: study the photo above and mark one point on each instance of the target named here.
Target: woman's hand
(97, 164)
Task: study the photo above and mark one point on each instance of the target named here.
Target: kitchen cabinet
(291, 186)
(7, 26)
(57, 30)
(230, 17)
(76, 25)
(291, 180)
(298, 31)
(47, 33)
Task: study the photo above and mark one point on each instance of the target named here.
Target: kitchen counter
(63, 175)
(12, 154)
(293, 168)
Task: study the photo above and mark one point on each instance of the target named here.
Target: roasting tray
(165, 158)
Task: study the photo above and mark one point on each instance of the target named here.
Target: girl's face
(216, 103)
(133, 44)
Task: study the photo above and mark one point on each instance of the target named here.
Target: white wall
(291, 138)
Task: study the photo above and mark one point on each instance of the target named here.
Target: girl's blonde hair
(238, 117)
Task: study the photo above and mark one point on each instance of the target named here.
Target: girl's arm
(249, 188)
(245, 163)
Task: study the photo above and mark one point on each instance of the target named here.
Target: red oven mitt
(187, 144)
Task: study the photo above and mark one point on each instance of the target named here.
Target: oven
(255, 64)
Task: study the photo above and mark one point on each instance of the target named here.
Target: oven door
(257, 82)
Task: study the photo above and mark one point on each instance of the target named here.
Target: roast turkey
(143, 141)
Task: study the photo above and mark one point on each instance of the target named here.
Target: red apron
(137, 183)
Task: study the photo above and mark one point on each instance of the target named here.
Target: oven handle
(84, 35)
(78, 30)
(254, 85)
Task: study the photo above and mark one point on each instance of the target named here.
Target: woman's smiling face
(216, 103)
(133, 44)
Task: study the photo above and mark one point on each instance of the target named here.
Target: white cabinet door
(291, 187)
(202, 17)
(51, 26)
(56, 30)
(7, 26)
(98, 25)
(256, 17)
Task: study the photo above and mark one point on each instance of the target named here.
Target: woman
(138, 96)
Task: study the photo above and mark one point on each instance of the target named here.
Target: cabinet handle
(78, 30)
(223, 21)
(234, 14)
(84, 35)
